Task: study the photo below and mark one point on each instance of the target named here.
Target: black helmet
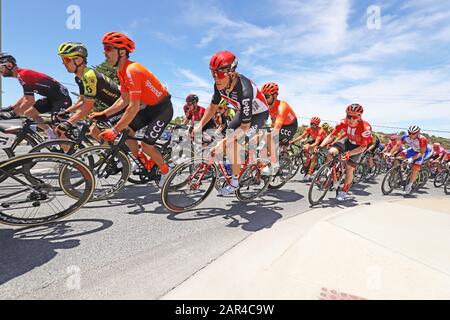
(193, 98)
(4, 57)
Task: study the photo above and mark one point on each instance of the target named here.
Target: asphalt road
(131, 247)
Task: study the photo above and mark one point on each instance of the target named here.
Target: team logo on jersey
(366, 134)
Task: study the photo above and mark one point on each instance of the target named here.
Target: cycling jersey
(194, 115)
(314, 132)
(245, 97)
(281, 114)
(416, 144)
(360, 135)
(141, 84)
(35, 82)
(95, 85)
(441, 151)
(322, 135)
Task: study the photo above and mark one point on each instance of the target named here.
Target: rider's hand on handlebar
(345, 156)
(98, 116)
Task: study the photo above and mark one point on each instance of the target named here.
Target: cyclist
(324, 131)
(416, 154)
(376, 142)
(93, 85)
(439, 152)
(223, 117)
(146, 101)
(284, 120)
(194, 113)
(250, 104)
(310, 135)
(357, 137)
(55, 96)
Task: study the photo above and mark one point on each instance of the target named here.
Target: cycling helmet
(119, 40)
(72, 50)
(393, 137)
(223, 103)
(4, 57)
(222, 60)
(270, 88)
(315, 120)
(193, 98)
(414, 129)
(355, 109)
(326, 126)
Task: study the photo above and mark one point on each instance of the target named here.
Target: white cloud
(195, 80)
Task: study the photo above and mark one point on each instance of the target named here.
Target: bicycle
(442, 176)
(191, 182)
(330, 176)
(38, 188)
(398, 177)
(21, 134)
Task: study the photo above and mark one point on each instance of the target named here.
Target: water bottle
(227, 166)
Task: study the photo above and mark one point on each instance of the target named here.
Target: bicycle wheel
(297, 163)
(188, 185)
(34, 188)
(447, 186)
(110, 167)
(284, 173)
(321, 183)
(440, 178)
(391, 181)
(61, 146)
(251, 183)
(422, 179)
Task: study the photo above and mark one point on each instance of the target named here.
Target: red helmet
(270, 88)
(315, 120)
(119, 40)
(222, 60)
(355, 109)
(393, 137)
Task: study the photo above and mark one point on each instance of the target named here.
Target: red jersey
(313, 132)
(196, 115)
(360, 135)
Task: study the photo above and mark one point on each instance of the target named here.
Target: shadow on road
(25, 249)
(251, 216)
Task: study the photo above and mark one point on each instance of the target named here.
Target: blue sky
(322, 53)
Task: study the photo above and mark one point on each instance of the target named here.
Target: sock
(234, 181)
(346, 187)
(164, 168)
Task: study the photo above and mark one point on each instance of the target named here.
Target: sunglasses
(66, 60)
(352, 117)
(108, 48)
(220, 73)
(267, 96)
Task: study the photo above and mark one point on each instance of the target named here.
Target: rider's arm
(24, 103)
(75, 106)
(119, 105)
(396, 147)
(129, 114)
(300, 137)
(84, 108)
